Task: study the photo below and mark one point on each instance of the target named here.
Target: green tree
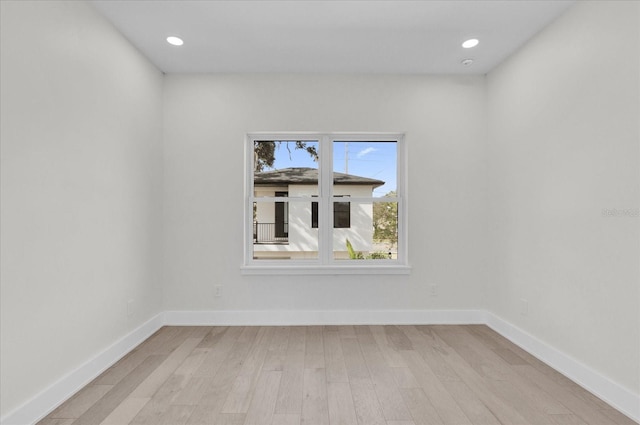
(385, 221)
(265, 152)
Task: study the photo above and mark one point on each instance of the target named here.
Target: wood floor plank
(314, 349)
(334, 358)
(340, 402)
(54, 421)
(151, 384)
(264, 398)
(121, 368)
(366, 404)
(240, 395)
(470, 404)
(397, 339)
(618, 417)
(193, 362)
(578, 406)
(509, 356)
(493, 339)
(213, 336)
(157, 341)
(328, 375)
(385, 386)
(404, 378)
(175, 341)
(285, 419)
(346, 331)
(500, 408)
(221, 382)
(401, 423)
(290, 392)
(447, 408)
(230, 419)
(566, 420)
(529, 391)
(430, 349)
(204, 415)
(126, 411)
(532, 403)
(354, 362)
(220, 350)
(192, 391)
(277, 352)
(391, 356)
(314, 403)
(116, 395)
(420, 406)
(433, 350)
(160, 414)
(80, 402)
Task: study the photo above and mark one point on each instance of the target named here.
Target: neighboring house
(290, 229)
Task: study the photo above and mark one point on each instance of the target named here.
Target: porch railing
(269, 233)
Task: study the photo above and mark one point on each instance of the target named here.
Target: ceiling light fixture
(467, 62)
(176, 41)
(472, 42)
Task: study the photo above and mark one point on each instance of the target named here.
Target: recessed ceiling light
(472, 42)
(467, 62)
(176, 41)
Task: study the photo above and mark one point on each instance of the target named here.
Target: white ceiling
(384, 36)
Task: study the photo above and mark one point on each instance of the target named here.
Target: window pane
(372, 235)
(285, 165)
(341, 215)
(281, 230)
(314, 215)
(365, 169)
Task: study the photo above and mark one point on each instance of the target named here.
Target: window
(341, 215)
(325, 203)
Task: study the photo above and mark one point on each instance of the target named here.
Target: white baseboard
(323, 317)
(616, 395)
(47, 400)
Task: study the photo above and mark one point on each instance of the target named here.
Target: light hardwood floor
(332, 375)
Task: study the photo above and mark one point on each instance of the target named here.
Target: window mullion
(325, 218)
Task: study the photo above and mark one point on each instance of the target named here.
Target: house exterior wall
(265, 212)
(303, 239)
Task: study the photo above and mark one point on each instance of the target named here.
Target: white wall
(563, 147)
(81, 176)
(205, 122)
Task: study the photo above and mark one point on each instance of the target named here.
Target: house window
(291, 177)
(341, 215)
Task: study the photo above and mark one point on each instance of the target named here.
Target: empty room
(320, 212)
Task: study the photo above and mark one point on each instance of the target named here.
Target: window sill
(373, 269)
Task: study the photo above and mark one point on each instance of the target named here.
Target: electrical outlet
(217, 291)
(433, 290)
(524, 307)
(130, 308)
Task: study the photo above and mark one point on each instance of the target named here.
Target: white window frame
(325, 263)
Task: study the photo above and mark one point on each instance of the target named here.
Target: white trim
(613, 393)
(323, 317)
(46, 401)
(50, 398)
(325, 264)
(275, 267)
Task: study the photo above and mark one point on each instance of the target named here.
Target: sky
(375, 160)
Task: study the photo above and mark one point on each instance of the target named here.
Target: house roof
(308, 176)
